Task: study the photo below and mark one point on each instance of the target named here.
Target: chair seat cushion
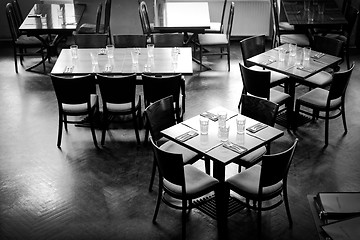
(80, 108)
(275, 78)
(318, 98)
(286, 26)
(278, 97)
(248, 182)
(214, 27)
(299, 39)
(213, 39)
(195, 181)
(120, 107)
(252, 157)
(29, 40)
(321, 79)
(188, 155)
(90, 28)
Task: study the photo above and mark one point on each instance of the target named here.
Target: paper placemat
(186, 136)
(257, 127)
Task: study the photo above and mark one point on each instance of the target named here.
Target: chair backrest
(160, 115)
(252, 46)
(339, 84)
(124, 41)
(98, 18)
(230, 21)
(255, 82)
(107, 16)
(168, 40)
(351, 16)
(93, 40)
(117, 89)
(275, 20)
(73, 90)
(275, 167)
(18, 13)
(144, 18)
(261, 110)
(328, 45)
(171, 167)
(13, 27)
(222, 17)
(157, 87)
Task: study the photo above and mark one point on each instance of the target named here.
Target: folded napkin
(234, 147)
(68, 69)
(210, 116)
(318, 55)
(269, 61)
(305, 69)
(257, 127)
(186, 136)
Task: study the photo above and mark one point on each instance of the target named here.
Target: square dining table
(210, 146)
(161, 63)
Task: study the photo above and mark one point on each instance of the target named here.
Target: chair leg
(228, 57)
(136, 127)
(286, 202)
(343, 117)
(296, 115)
(201, 49)
(93, 129)
(158, 201)
(259, 215)
(59, 130)
(65, 123)
(207, 165)
(152, 175)
(105, 127)
(327, 128)
(15, 60)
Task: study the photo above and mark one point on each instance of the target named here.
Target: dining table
(51, 23)
(221, 152)
(165, 61)
(295, 67)
(319, 14)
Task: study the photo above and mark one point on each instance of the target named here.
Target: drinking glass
(240, 123)
(74, 51)
(222, 116)
(135, 56)
(306, 52)
(150, 50)
(110, 51)
(224, 132)
(43, 19)
(292, 49)
(204, 125)
(94, 58)
(282, 53)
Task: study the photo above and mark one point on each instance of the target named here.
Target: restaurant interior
(75, 190)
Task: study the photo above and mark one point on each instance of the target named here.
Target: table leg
(222, 198)
(290, 89)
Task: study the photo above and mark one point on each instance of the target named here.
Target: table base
(207, 205)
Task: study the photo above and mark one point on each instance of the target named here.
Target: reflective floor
(80, 192)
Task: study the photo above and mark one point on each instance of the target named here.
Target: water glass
(94, 58)
(240, 124)
(150, 50)
(110, 51)
(204, 125)
(74, 51)
(282, 53)
(298, 58)
(135, 56)
(292, 49)
(43, 19)
(224, 133)
(222, 116)
(306, 52)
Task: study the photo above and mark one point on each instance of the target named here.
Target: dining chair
(145, 21)
(76, 96)
(183, 182)
(87, 28)
(253, 46)
(257, 83)
(92, 40)
(125, 41)
(100, 27)
(329, 46)
(218, 27)
(18, 13)
(351, 15)
(159, 116)
(22, 43)
(220, 40)
(168, 39)
(331, 102)
(281, 36)
(156, 87)
(261, 110)
(118, 94)
(265, 182)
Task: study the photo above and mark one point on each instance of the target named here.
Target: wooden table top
(161, 63)
(297, 16)
(61, 18)
(181, 16)
(210, 144)
(289, 67)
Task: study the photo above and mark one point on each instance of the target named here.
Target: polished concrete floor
(80, 192)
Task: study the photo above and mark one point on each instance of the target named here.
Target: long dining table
(61, 20)
(161, 63)
(210, 146)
